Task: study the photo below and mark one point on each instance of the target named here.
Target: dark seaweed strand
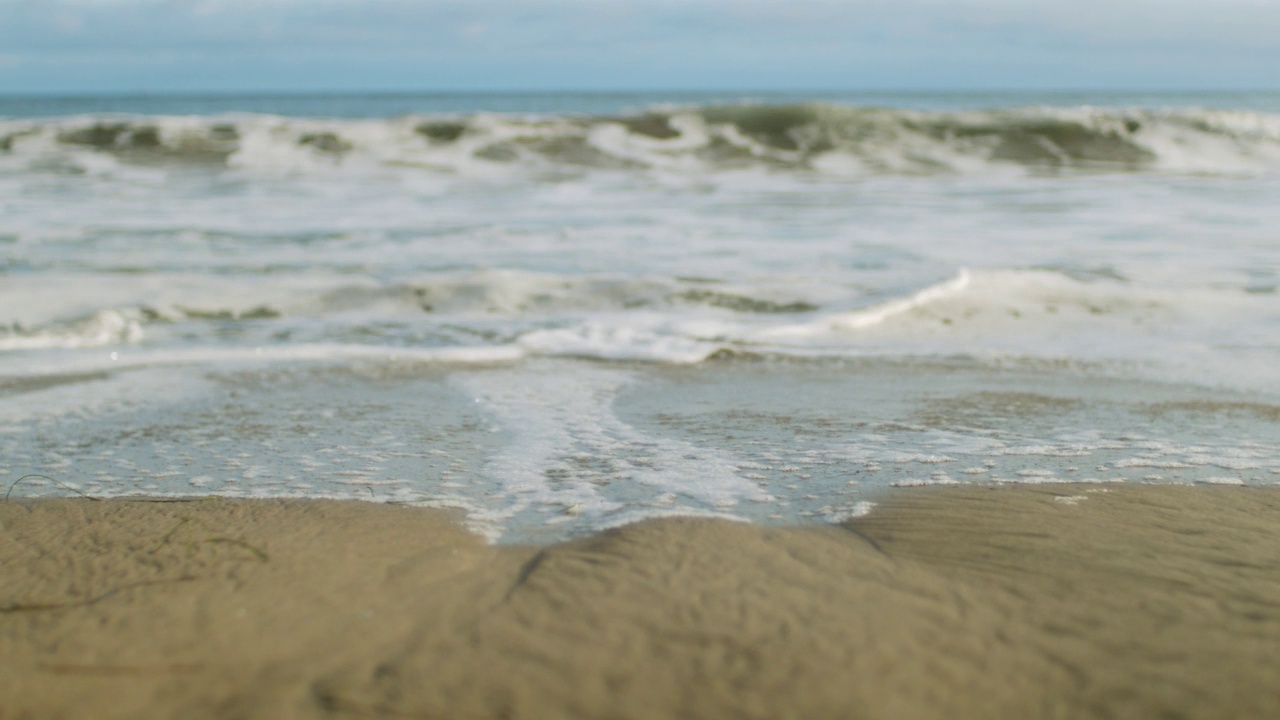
(55, 481)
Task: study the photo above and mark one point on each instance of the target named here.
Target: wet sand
(969, 602)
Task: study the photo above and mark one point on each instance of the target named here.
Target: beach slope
(972, 602)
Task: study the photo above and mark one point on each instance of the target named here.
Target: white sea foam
(871, 316)
(1223, 480)
(625, 339)
(568, 445)
(838, 139)
(105, 327)
(893, 295)
(489, 315)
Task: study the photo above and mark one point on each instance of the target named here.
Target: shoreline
(948, 602)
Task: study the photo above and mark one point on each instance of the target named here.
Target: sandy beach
(657, 353)
(974, 602)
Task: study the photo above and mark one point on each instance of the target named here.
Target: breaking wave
(667, 320)
(824, 138)
(106, 327)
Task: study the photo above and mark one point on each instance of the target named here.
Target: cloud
(68, 23)
(654, 43)
(147, 22)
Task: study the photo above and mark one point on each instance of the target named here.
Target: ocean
(558, 313)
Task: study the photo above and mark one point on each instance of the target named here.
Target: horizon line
(177, 93)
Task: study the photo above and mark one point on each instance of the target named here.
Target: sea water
(559, 313)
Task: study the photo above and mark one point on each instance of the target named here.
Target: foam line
(869, 317)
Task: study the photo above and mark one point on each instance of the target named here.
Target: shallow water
(560, 317)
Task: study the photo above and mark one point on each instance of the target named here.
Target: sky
(156, 46)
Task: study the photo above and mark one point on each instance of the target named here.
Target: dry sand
(1039, 602)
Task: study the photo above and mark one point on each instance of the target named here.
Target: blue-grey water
(561, 312)
(384, 105)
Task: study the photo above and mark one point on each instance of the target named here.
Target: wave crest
(801, 137)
